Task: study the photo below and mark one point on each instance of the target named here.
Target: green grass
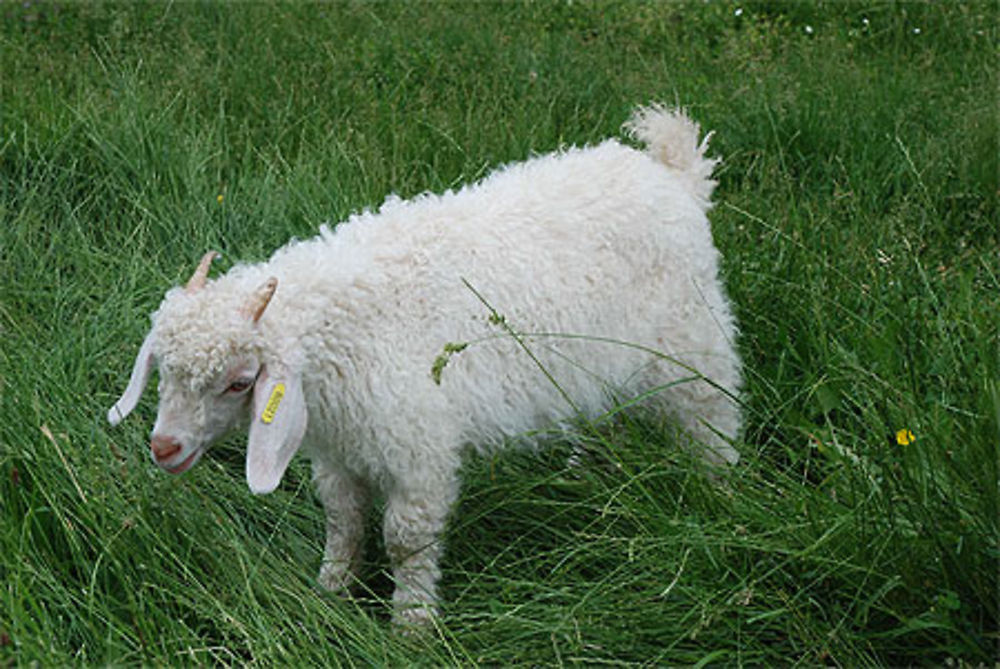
(859, 223)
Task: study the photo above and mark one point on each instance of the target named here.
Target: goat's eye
(239, 385)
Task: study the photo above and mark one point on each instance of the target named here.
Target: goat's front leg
(413, 526)
(345, 500)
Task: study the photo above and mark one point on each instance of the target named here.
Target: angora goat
(328, 347)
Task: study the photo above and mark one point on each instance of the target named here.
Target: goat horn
(258, 301)
(197, 280)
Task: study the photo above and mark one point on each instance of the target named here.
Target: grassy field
(859, 223)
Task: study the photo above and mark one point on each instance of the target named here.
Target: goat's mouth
(186, 464)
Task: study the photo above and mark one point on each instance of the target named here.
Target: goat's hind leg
(710, 418)
(707, 409)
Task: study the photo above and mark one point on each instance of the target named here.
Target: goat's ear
(276, 428)
(136, 383)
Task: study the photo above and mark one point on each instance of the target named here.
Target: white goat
(329, 345)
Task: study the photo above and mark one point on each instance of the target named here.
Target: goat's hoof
(414, 619)
(335, 578)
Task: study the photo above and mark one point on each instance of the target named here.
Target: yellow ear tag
(272, 403)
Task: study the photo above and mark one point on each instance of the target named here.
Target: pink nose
(164, 448)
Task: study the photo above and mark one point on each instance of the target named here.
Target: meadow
(857, 215)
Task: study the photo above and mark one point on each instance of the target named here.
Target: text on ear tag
(272, 403)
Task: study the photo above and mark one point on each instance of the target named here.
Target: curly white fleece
(604, 244)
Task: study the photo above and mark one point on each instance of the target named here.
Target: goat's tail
(672, 139)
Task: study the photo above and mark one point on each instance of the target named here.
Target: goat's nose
(164, 448)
